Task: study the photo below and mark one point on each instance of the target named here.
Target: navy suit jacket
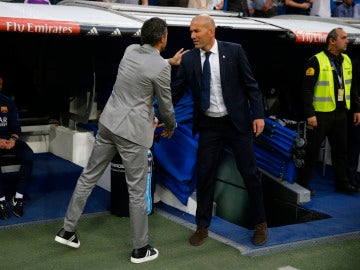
(242, 96)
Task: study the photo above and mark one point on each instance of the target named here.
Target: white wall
(75, 146)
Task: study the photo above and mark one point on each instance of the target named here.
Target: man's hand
(7, 144)
(10, 144)
(167, 133)
(3, 144)
(356, 119)
(312, 121)
(156, 122)
(258, 126)
(176, 59)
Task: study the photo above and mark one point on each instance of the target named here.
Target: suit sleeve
(178, 84)
(251, 85)
(163, 95)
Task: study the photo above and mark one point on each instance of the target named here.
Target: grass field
(105, 244)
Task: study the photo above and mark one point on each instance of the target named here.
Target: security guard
(327, 96)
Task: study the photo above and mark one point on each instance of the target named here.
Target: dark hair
(153, 30)
(333, 35)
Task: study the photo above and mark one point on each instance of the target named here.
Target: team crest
(4, 109)
(310, 71)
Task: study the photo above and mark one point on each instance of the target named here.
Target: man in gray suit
(127, 126)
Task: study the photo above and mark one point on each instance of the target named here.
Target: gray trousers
(135, 161)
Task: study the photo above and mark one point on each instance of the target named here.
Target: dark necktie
(205, 83)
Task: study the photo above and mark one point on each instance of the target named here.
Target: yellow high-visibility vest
(324, 97)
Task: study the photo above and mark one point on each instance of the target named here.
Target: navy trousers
(25, 156)
(216, 133)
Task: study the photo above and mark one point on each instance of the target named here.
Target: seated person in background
(265, 8)
(200, 4)
(299, 7)
(215, 4)
(322, 8)
(206, 4)
(346, 9)
(243, 7)
(10, 142)
(356, 8)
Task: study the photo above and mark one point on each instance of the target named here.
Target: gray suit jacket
(142, 75)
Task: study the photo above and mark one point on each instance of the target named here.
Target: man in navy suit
(233, 117)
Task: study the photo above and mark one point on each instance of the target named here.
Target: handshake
(161, 130)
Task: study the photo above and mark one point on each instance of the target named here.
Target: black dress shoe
(347, 189)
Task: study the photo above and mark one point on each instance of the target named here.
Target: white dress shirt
(217, 106)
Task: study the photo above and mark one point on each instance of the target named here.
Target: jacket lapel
(222, 62)
(197, 67)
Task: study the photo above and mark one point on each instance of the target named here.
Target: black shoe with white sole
(4, 212)
(67, 238)
(145, 254)
(18, 206)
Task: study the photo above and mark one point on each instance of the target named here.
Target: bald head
(337, 41)
(205, 19)
(202, 30)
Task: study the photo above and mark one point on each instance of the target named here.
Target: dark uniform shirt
(311, 77)
(9, 118)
